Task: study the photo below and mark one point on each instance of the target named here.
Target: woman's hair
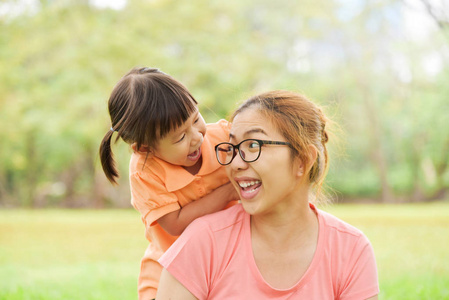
(301, 122)
(144, 106)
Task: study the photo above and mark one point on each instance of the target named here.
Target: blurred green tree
(59, 60)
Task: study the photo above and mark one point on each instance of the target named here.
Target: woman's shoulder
(211, 231)
(347, 256)
(338, 226)
(223, 220)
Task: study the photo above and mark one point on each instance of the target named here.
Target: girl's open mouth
(194, 156)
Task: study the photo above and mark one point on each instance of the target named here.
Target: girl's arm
(175, 222)
(171, 288)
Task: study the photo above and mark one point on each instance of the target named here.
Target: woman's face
(267, 185)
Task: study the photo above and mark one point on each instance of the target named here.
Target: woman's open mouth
(250, 188)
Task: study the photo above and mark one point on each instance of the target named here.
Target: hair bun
(324, 137)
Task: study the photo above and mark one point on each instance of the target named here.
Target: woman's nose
(237, 162)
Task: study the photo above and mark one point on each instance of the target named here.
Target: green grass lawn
(85, 254)
(70, 254)
(411, 243)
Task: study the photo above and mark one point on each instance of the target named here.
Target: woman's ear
(313, 154)
(304, 168)
(300, 168)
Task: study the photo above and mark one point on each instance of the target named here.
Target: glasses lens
(225, 152)
(250, 150)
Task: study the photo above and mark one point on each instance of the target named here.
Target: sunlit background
(380, 68)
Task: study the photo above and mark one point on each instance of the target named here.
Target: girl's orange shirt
(158, 188)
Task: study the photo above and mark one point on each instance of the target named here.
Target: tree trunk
(378, 156)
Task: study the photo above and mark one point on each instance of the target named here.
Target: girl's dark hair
(144, 106)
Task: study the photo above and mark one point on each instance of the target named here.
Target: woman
(276, 244)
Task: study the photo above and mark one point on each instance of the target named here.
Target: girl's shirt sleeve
(151, 198)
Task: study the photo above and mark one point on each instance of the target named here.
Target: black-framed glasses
(249, 150)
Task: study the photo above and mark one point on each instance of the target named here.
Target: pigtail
(107, 158)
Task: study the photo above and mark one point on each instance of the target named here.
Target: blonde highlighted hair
(302, 123)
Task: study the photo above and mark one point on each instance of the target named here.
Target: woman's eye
(254, 145)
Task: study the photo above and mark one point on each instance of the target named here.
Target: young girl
(174, 175)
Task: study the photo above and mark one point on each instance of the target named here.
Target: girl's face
(267, 185)
(181, 146)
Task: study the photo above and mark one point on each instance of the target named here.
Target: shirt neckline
(173, 180)
(310, 270)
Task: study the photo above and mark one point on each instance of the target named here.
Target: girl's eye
(196, 121)
(183, 136)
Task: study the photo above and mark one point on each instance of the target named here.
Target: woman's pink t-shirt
(213, 259)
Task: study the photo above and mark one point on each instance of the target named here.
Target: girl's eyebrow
(249, 132)
(181, 129)
(184, 126)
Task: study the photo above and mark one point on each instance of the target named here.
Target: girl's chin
(193, 166)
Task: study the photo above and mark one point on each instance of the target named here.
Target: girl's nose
(198, 137)
(202, 130)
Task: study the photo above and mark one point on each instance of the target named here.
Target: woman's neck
(284, 248)
(295, 226)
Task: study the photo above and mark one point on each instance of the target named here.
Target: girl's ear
(143, 148)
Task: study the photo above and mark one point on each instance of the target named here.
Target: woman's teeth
(249, 188)
(248, 183)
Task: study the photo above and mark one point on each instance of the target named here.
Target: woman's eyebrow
(249, 132)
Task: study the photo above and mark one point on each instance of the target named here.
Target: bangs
(177, 107)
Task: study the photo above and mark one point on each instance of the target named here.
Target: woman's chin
(251, 207)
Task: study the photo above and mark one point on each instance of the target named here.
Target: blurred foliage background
(379, 67)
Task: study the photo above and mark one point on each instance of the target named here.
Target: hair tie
(143, 70)
(112, 129)
(149, 70)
